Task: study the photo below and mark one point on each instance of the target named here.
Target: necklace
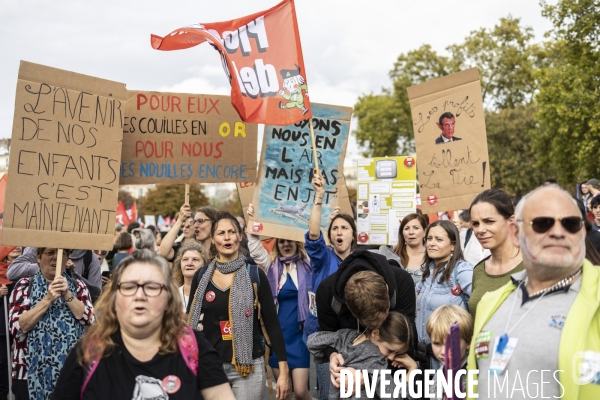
(500, 269)
(558, 285)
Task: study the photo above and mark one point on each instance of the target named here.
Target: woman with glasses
(47, 316)
(290, 276)
(492, 211)
(231, 300)
(140, 347)
(447, 278)
(170, 244)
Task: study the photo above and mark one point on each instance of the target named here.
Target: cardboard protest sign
(64, 160)
(452, 155)
(245, 194)
(284, 195)
(262, 58)
(385, 195)
(185, 138)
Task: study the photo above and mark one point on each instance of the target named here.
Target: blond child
(438, 326)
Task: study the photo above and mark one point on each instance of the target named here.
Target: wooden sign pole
(59, 257)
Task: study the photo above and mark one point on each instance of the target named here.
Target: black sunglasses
(544, 224)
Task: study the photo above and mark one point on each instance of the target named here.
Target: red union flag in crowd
(262, 57)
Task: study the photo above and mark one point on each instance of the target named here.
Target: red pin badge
(431, 200)
(171, 384)
(210, 296)
(456, 290)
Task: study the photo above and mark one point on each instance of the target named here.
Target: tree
(384, 120)
(511, 152)
(569, 92)
(168, 199)
(507, 60)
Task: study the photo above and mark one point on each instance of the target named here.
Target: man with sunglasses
(539, 335)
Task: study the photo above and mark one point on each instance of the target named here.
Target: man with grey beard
(539, 335)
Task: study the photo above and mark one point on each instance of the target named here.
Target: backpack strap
(462, 292)
(188, 346)
(255, 279)
(87, 261)
(468, 236)
(201, 273)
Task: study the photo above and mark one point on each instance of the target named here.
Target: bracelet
(70, 299)
(318, 201)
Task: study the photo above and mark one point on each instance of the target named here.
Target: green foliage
(506, 59)
(569, 94)
(168, 199)
(384, 121)
(511, 154)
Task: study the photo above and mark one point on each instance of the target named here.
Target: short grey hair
(521, 204)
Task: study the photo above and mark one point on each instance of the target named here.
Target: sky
(349, 46)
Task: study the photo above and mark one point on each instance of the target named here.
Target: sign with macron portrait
(452, 154)
(284, 195)
(185, 138)
(64, 160)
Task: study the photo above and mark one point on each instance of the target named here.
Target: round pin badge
(432, 200)
(210, 296)
(363, 237)
(456, 290)
(171, 384)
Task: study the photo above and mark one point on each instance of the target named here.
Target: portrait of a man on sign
(446, 124)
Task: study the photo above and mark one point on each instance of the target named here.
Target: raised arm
(23, 266)
(314, 222)
(166, 246)
(257, 251)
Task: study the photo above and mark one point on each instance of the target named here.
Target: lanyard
(504, 338)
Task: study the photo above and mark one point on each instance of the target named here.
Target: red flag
(4, 250)
(122, 214)
(262, 58)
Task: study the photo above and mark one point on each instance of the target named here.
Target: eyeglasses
(150, 289)
(544, 224)
(201, 221)
(53, 253)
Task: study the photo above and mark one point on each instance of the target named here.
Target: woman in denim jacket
(447, 278)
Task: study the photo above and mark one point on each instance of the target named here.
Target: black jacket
(400, 285)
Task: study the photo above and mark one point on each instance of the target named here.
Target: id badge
(500, 360)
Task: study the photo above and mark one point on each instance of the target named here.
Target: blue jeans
(324, 380)
(251, 387)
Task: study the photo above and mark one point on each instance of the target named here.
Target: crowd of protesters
(195, 313)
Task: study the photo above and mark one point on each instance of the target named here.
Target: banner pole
(8, 357)
(187, 193)
(314, 147)
(59, 257)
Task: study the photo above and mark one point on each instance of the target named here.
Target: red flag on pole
(262, 58)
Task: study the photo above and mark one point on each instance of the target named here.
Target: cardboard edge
(443, 83)
(41, 73)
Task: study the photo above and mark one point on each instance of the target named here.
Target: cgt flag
(262, 57)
